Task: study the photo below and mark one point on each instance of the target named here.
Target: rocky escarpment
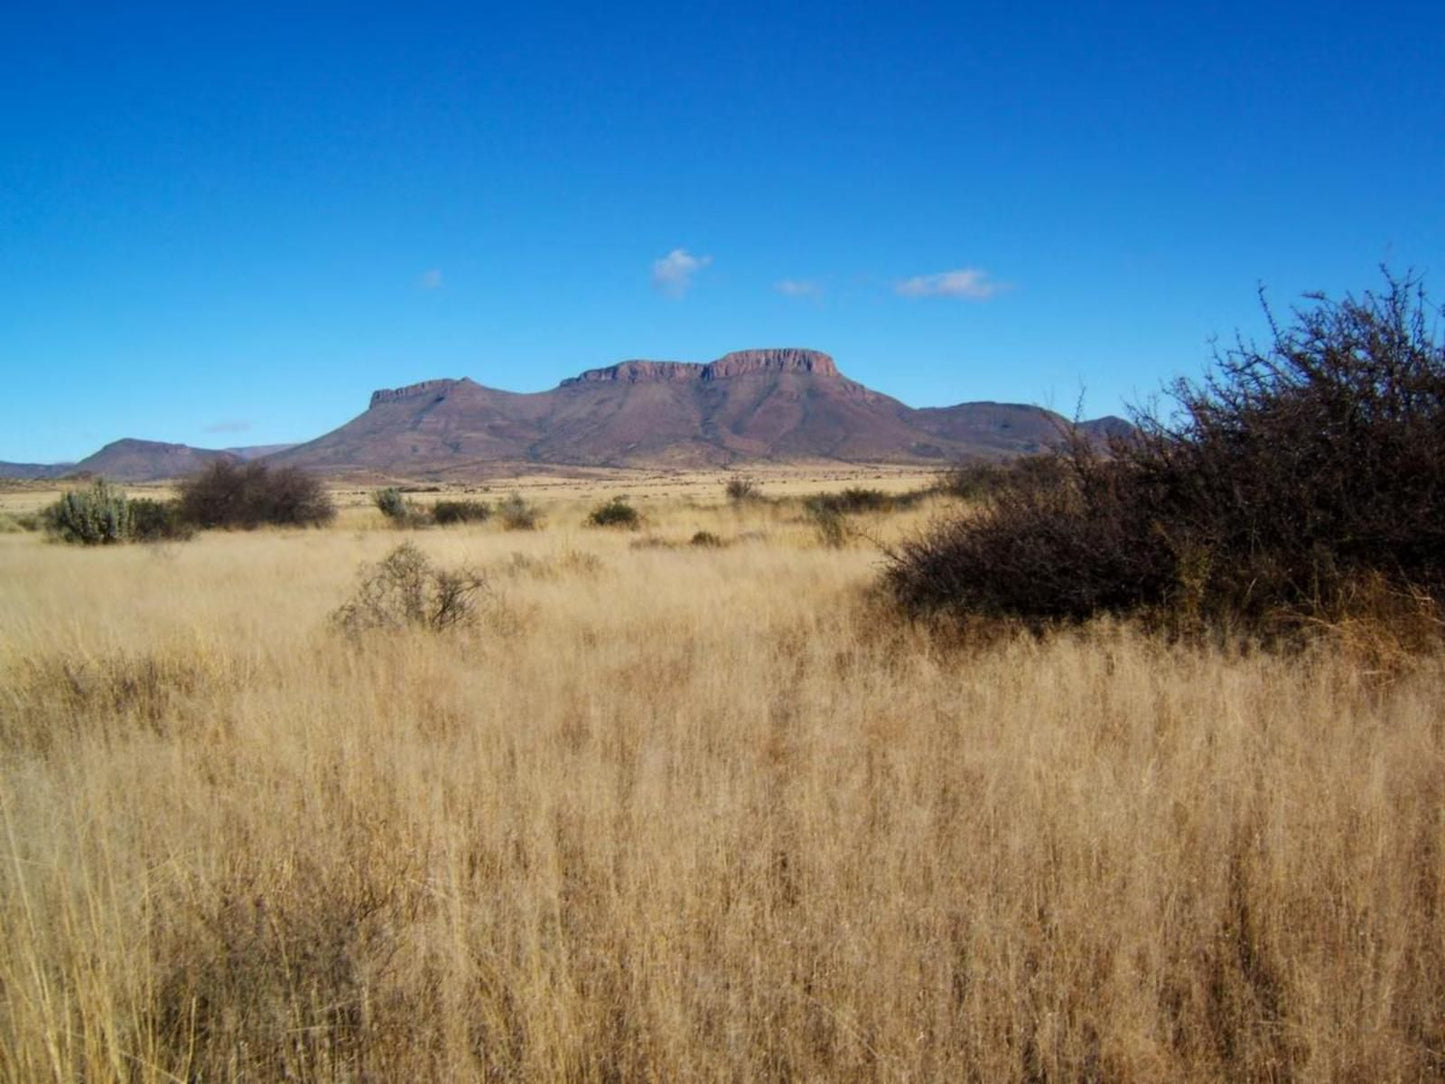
(411, 391)
(738, 363)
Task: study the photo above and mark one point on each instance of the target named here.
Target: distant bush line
(225, 494)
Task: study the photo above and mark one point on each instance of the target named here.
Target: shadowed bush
(463, 511)
(248, 495)
(1289, 477)
(158, 521)
(615, 513)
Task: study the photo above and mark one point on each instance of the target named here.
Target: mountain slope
(131, 460)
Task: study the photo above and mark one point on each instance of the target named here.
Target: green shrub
(1297, 479)
(248, 495)
(518, 515)
(615, 513)
(99, 515)
(464, 511)
(158, 521)
(406, 590)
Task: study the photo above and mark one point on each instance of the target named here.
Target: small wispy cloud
(430, 280)
(673, 274)
(229, 425)
(968, 283)
(799, 288)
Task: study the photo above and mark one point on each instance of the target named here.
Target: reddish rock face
(738, 363)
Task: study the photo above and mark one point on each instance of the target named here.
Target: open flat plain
(670, 811)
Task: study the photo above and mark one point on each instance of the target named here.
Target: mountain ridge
(782, 404)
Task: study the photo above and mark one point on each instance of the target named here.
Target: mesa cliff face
(738, 363)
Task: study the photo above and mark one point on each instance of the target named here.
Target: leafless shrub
(406, 590)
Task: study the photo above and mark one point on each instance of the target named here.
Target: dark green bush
(615, 513)
(461, 511)
(1290, 477)
(99, 515)
(247, 495)
(158, 521)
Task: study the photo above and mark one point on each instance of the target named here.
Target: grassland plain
(682, 813)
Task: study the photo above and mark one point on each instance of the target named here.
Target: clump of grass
(706, 540)
(615, 513)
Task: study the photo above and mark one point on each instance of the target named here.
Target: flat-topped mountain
(753, 405)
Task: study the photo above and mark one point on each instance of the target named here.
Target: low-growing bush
(158, 521)
(742, 489)
(615, 513)
(832, 527)
(406, 590)
(399, 511)
(98, 515)
(851, 501)
(460, 511)
(248, 495)
(518, 515)
(707, 540)
(1297, 480)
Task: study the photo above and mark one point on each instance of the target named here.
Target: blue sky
(229, 227)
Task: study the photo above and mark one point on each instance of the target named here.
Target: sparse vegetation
(249, 495)
(706, 540)
(615, 513)
(1299, 483)
(689, 819)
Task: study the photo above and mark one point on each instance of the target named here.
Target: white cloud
(968, 283)
(799, 288)
(430, 280)
(673, 273)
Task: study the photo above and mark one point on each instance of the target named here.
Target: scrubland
(671, 812)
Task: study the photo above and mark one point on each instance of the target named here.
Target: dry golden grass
(678, 813)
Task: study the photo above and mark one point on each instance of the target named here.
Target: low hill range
(751, 406)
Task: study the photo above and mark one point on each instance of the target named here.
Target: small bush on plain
(706, 540)
(518, 515)
(445, 513)
(742, 489)
(158, 521)
(615, 513)
(405, 590)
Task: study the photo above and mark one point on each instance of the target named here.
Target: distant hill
(34, 471)
(754, 405)
(133, 460)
